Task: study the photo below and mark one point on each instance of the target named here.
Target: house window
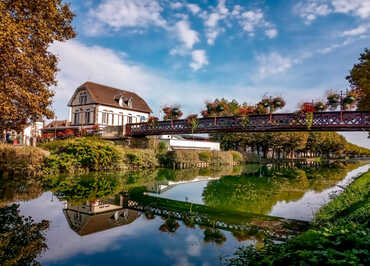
(83, 98)
(120, 118)
(110, 119)
(143, 118)
(77, 119)
(129, 119)
(129, 103)
(104, 118)
(87, 116)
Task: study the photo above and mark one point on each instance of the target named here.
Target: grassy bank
(340, 235)
(200, 158)
(21, 161)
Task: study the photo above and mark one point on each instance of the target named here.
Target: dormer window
(83, 98)
(129, 103)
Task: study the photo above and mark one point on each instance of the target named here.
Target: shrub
(21, 161)
(142, 158)
(237, 156)
(204, 156)
(89, 153)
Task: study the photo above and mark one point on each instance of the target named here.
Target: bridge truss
(281, 122)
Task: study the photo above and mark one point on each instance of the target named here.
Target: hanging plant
(309, 119)
(193, 121)
(278, 102)
(333, 100)
(320, 107)
(153, 121)
(172, 112)
(265, 103)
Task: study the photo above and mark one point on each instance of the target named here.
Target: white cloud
(273, 64)
(252, 19)
(185, 34)
(125, 13)
(311, 9)
(195, 9)
(176, 5)
(199, 59)
(359, 8)
(79, 63)
(271, 33)
(357, 31)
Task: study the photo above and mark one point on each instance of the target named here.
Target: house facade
(96, 104)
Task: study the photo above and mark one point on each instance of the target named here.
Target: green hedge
(86, 153)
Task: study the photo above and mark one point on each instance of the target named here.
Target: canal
(194, 216)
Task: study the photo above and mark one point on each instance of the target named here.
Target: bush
(22, 161)
(142, 158)
(204, 156)
(237, 156)
(88, 153)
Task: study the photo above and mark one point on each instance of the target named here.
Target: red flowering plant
(270, 105)
(216, 108)
(172, 112)
(193, 121)
(350, 100)
(307, 109)
(60, 134)
(152, 121)
(333, 100)
(69, 132)
(320, 106)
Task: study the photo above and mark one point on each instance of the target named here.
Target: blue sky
(187, 52)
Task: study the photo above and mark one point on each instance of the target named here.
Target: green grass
(340, 235)
(350, 206)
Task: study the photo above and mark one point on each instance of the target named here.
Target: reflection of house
(177, 142)
(96, 216)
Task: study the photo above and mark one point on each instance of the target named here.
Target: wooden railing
(320, 121)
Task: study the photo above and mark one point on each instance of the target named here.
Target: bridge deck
(284, 122)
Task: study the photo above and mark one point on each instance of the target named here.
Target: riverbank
(87, 154)
(339, 235)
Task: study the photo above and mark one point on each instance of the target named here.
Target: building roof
(109, 96)
(58, 123)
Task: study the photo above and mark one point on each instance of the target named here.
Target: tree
(359, 79)
(21, 239)
(27, 69)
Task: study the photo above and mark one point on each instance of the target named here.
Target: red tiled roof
(109, 96)
(58, 123)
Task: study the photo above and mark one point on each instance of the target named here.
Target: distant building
(95, 104)
(176, 142)
(28, 135)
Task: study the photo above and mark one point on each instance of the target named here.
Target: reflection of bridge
(321, 121)
(96, 216)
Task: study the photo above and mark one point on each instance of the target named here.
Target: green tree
(359, 79)
(27, 69)
(21, 239)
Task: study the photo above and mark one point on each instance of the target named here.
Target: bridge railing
(320, 121)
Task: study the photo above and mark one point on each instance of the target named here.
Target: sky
(188, 52)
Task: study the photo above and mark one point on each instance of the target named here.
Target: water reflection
(96, 215)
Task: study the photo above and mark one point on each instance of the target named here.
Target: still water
(93, 221)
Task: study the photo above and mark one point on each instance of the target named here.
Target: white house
(96, 104)
(177, 142)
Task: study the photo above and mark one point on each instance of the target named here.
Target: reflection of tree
(214, 235)
(21, 239)
(86, 188)
(170, 225)
(19, 189)
(251, 193)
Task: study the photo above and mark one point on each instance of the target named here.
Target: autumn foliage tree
(27, 69)
(359, 79)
